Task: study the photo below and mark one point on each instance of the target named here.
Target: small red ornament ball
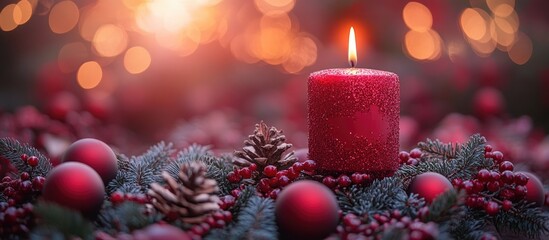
(429, 185)
(306, 210)
(95, 154)
(534, 192)
(75, 186)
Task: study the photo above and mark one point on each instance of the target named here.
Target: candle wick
(352, 62)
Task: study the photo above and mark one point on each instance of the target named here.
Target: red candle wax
(354, 120)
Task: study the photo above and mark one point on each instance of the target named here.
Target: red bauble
(535, 192)
(306, 210)
(429, 185)
(75, 186)
(95, 154)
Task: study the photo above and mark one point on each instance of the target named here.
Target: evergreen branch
(218, 169)
(137, 173)
(465, 227)
(243, 199)
(435, 149)
(470, 158)
(12, 150)
(255, 221)
(381, 195)
(125, 217)
(524, 219)
(59, 221)
(407, 172)
(412, 205)
(445, 206)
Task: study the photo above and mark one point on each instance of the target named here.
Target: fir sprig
(125, 217)
(435, 149)
(136, 174)
(12, 150)
(255, 221)
(381, 195)
(445, 206)
(57, 222)
(524, 219)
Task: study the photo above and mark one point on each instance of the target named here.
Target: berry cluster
(410, 158)
(494, 189)
(373, 227)
(15, 220)
(270, 180)
(345, 181)
(217, 220)
(120, 197)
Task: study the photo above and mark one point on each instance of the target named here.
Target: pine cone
(191, 201)
(265, 147)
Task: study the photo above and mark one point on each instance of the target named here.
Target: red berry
(357, 178)
(218, 215)
(24, 176)
(10, 215)
(493, 186)
(412, 162)
(506, 165)
(415, 153)
(11, 202)
(497, 156)
(298, 166)
(488, 148)
(6, 179)
(233, 177)
(198, 230)
(329, 181)
(270, 171)
(227, 216)
(32, 161)
(403, 156)
(38, 183)
(468, 186)
(506, 193)
(521, 179)
(366, 177)
(219, 223)
(117, 197)
(478, 186)
(483, 175)
(309, 165)
(507, 177)
(491, 208)
(456, 182)
(236, 192)
(24, 157)
(10, 192)
(273, 182)
(344, 181)
(488, 155)
(274, 193)
(263, 185)
(495, 176)
(488, 236)
(25, 186)
(292, 173)
(520, 191)
(245, 173)
(506, 205)
(253, 167)
(283, 181)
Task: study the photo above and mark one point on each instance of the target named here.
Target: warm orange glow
(24, 9)
(494, 4)
(423, 45)
(473, 23)
(110, 40)
(274, 7)
(89, 75)
(521, 51)
(7, 21)
(71, 56)
(352, 56)
(63, 17)
(137, 60)
(303, 53)
(417, 16)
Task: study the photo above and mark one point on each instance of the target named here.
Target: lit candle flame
(352, 48)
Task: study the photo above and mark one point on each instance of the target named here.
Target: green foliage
(435, 150)
(445, 206)
(243, 199)
(126, 217)
(255, 221)
(523, 219)
(136, 174)
(57, 222)
(12, 150)
(381, 195)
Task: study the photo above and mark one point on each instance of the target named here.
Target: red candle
(354, 119)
